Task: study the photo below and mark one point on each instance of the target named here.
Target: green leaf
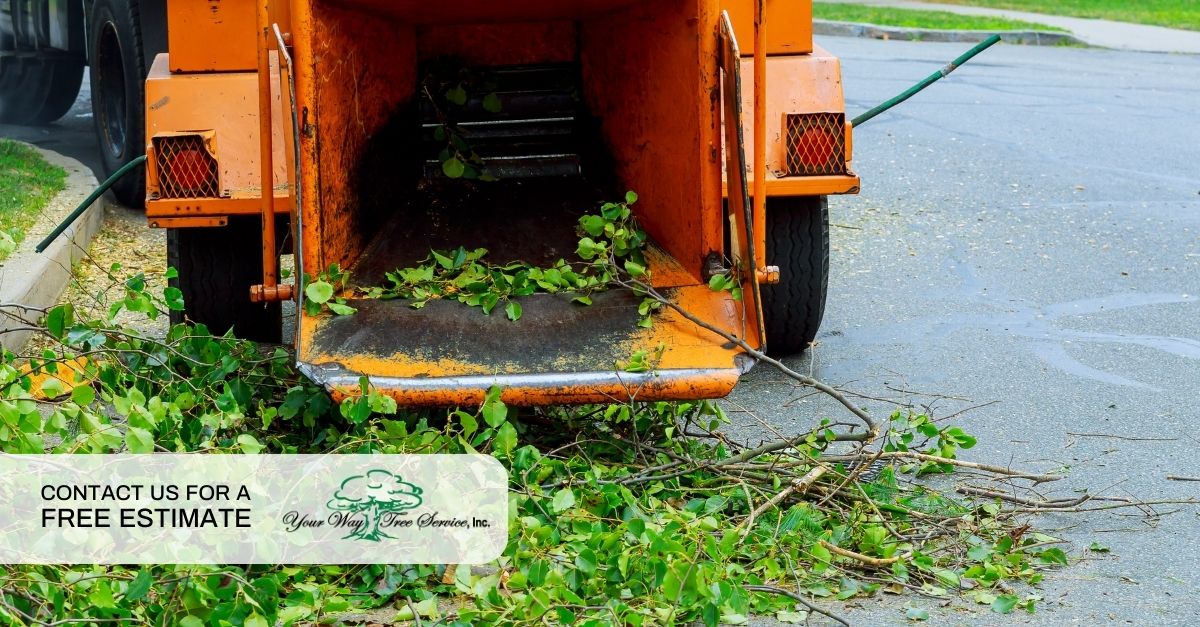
(494, 413)
(190, 621)
(791, 616)
(341, 309)
(83, 395)
(7, 243)
(916, 613)
(319, 292)
(255, 620)
(1005, 603)
(1096, 547)
(1053, 555)
(139, 586)
(491, 103)
(59, 319)
(630, 197)
(139, 440)
(174, 298)
(513, 310)
(563, 500)
(249, 444)
(453, 167)
(585, 561)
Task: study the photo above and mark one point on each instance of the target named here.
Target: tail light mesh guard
(185, 167)
(815, 143)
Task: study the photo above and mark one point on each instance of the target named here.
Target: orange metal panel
(823, 185)
(650, 76)
(789, 25)
(211, 35)
(176, 223)
(795, 84)
(696, 363)
(215, 35)
(663, 385)
(225, 104)
(243, 206)
(355, 71)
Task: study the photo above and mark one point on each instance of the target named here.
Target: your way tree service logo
(378, 496)
(370, 505)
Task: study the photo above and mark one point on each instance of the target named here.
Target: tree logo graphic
(374, 495)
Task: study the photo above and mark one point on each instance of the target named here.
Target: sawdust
(127, 244)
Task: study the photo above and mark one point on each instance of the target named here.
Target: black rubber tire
(216, 268)
(797, 242)
(38, 90)
(118, 93)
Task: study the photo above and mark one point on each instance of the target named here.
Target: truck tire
(38, 89)
(797, 242)
(217, 266)
(118, 92)
(38, 84)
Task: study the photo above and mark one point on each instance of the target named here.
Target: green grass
(909, 18)
(1171, 13)
(27, 183)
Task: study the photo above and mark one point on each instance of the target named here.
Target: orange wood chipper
(722, 115)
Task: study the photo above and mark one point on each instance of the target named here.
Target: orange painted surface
(225, 105)
(712, 384)
(355, 71)
(789, 25)
(660, 117)
(688, 347)
(216, 35)
(799, 84)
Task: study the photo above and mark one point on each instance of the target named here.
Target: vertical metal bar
(759, 195)
(270, 261)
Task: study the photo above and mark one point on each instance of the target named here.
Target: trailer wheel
(37, 86)
(118, 92)
(217, 266)
(797, 242)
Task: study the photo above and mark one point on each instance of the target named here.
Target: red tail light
(815, 143)
(185, 167)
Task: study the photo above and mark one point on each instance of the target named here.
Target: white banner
(252, 509)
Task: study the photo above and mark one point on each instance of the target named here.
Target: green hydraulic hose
(925, 82)
(87, 202)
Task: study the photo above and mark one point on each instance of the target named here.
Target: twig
(800, 485)
(874, 562)
(872, 426)
(1121, 437)
(999, 470)
(799, 599)
(1051, 504)
(413, 609)
(1077, 510)
(1180, 478)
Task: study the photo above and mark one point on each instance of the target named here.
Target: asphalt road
(1028, 233)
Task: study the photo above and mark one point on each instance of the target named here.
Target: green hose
(87, 202)
(925, 82)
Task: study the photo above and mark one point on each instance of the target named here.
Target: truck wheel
(217, 266)
(797, 242)
(118, 92)
(37, 89)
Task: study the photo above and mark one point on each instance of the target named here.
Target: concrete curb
(31, 282)
(873, 31)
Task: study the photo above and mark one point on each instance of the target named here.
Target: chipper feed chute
(596, 98)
